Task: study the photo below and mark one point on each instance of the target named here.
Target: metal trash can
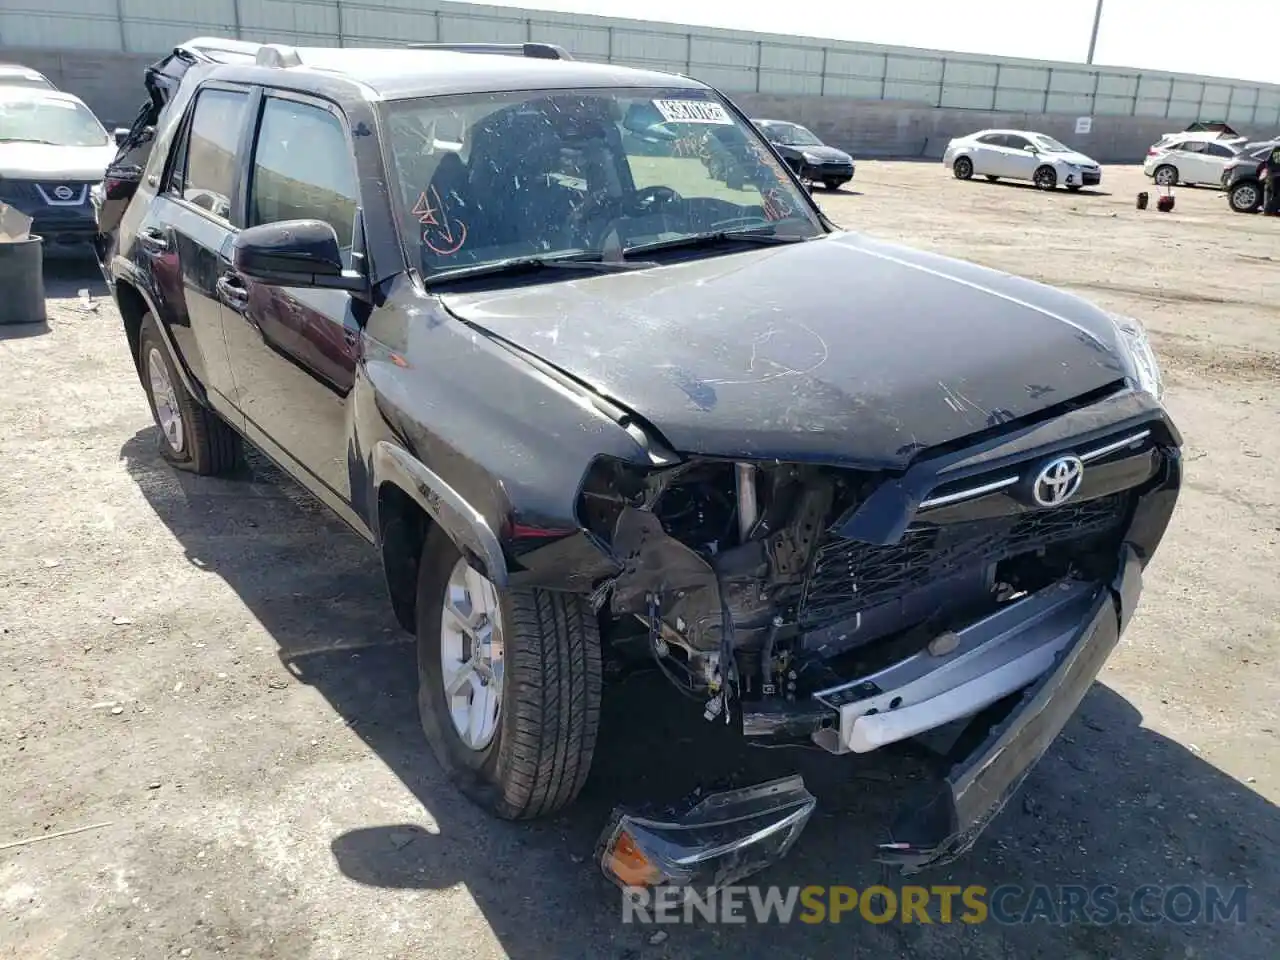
(22, 280)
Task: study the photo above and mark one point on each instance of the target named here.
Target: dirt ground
(206, 674)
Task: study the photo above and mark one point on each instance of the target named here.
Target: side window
(204, 172)
(303, 170)
(1014, 142)
(1218, 150)
(1193, 146)
(994, 140)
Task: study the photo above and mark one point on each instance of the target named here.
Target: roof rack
(536, 51)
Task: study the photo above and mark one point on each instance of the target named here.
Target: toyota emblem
(1058, 481)
(63, 192)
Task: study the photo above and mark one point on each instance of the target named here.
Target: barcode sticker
(692, 111)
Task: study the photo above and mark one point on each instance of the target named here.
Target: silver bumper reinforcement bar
(960, 672)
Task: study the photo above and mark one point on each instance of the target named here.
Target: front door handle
(232, 292)
(153, 239)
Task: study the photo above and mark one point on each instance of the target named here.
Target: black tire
(962, 168)
(832, 184)
(540, 755)
(1166, 175)
(1073, 187)
(1045, 178)
(1246, 197)
(991, 178)
(207, 445)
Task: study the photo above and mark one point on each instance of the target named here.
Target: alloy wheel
(471, 655)
(165, 398)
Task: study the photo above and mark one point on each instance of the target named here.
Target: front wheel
(1166, 175)
(1073, 187)
(509, 685)
(993, 179)
(1045, 178)
(962, 168)
(832, 184)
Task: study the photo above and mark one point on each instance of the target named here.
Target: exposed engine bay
(745, 592)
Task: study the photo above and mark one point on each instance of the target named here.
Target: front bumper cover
(945, 825)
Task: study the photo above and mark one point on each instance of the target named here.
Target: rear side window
(205, 172)
(303, 169)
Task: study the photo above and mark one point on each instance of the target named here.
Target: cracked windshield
(487, 178)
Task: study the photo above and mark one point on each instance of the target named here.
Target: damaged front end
(956, 603)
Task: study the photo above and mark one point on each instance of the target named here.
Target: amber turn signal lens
(625, 862)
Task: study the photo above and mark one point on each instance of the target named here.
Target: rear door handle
(153, 238)
(232, 292)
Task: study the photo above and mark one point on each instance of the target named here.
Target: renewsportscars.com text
(1008, 904)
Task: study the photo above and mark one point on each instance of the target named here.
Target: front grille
(847, 576)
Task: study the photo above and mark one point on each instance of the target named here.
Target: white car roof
(31, 94)
(1021, 133)
(1206, 136)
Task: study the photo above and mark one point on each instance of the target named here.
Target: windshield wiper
(29, 140)
(514, 265)
(767, 234)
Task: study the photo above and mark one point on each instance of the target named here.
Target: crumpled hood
(40, 161)
(843, 349)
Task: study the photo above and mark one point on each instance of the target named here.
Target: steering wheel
(646, 196)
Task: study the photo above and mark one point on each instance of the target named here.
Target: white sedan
(1191, 158)
(1021, 155)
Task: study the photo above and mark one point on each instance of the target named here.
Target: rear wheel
(508, 685)
(1245, 197)
(192, 437)
(962, 168)
(1166, 175)
(1045, 178)
(991, 178)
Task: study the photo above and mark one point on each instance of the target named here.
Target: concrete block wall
(111, 84)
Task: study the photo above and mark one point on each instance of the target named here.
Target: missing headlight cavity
(739, 586)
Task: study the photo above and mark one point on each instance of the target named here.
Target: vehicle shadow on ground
(1112, 803)
(1028, 185)
(66, 276)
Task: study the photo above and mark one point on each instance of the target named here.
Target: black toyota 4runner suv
(589, 401)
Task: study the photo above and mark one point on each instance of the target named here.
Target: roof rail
(536, 51)
(278, 55)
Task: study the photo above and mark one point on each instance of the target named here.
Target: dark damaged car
(589, 401)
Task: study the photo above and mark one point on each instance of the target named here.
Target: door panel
(187, 234)
(294, 351)
(1022, 164)
(986, 158)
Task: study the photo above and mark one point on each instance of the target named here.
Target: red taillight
(119, 188)
(1152, 152)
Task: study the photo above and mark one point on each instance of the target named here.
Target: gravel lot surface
(206, 673)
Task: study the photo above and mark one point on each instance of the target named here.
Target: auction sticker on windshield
(692, 111)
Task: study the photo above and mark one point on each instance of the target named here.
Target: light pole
(1093, 37)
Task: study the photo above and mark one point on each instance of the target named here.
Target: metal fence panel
(734, 60)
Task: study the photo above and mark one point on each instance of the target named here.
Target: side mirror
(294, 253)
(121, 134)
(1031, 148)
